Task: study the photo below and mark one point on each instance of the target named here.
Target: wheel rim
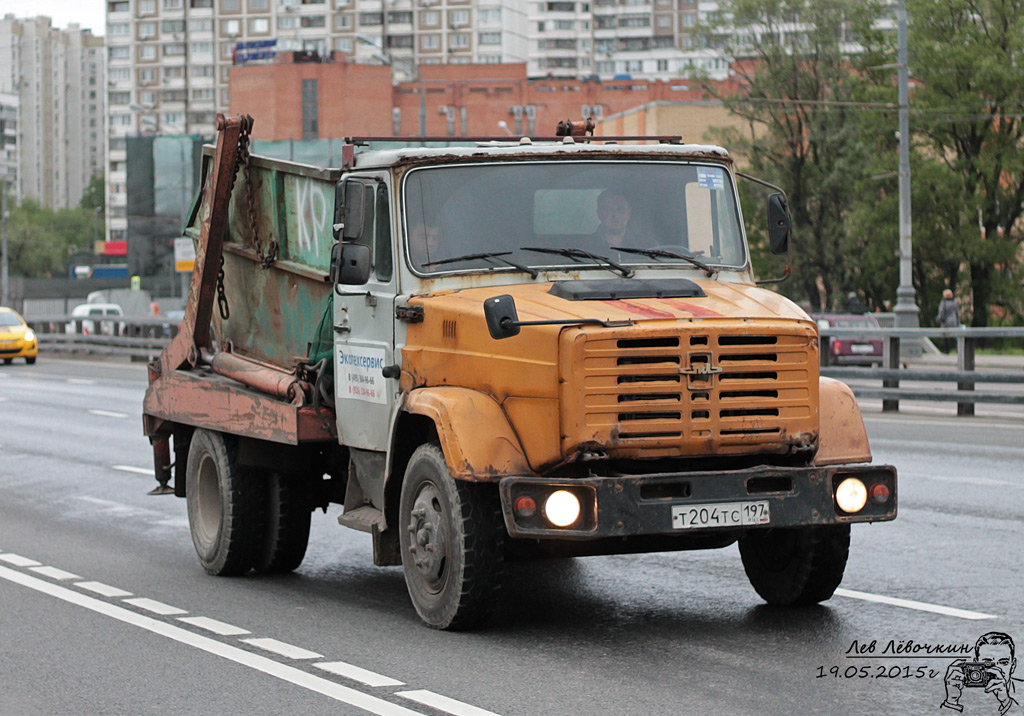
(208, 503)
(428, 538)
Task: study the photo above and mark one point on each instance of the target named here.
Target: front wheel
(452, 541)
(799, 566)
(225, 505)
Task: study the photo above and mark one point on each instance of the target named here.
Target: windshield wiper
(664, 253)
(577, 254)
(499, 255)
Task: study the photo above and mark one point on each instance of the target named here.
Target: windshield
(8, 319)
(654, 214)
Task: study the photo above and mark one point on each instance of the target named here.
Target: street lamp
(906, 309)
(5, 293)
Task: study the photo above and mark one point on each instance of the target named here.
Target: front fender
(841, 434)
(477, 439)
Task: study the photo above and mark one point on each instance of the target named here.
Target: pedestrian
(948, 316)
(854, 304)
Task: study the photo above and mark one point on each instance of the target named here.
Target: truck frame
(437, 339)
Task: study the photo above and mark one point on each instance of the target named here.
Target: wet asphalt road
(634, 635)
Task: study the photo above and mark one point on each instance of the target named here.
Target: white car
(90, 313)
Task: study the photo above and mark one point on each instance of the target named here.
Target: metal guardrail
(140, 338)
(894, 371)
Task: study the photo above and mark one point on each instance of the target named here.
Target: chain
(266, 259)
(222, 298)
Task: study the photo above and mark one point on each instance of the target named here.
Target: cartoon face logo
(991, 671)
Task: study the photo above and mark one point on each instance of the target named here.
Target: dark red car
(850, 349)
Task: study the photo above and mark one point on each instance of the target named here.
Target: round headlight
(30, 335)
(562, 508)
(851, 495)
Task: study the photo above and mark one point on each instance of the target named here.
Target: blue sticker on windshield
(710, 178)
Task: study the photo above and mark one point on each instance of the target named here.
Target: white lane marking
(356, 673)
(108, 414)
(105, 589)
(54, 573)
(212, 646)
(18, 561)
(138, 470)
(978, 481)
(279, 647)
(154, 606)
(911, 604)
(2, 399)
(953, 421)
(215, 626)
(443, 703)
(81, 381)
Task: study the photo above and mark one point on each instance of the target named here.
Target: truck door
(364, 332)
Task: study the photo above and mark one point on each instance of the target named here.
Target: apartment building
(57, 127)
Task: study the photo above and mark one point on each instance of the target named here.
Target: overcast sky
(87, 13)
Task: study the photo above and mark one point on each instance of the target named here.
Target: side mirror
(502, 319)
(353, 268)
(349, 200)
(335, 262)
(779, 224)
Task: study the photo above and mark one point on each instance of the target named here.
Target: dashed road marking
(81, 381)
(443, 703)
(279, 647)
(221, 628)
(358, 674)
(264, 664)
(156, 607)
(138, 470)
(18, 561)
(108, 414)
(54, 573)
(911, 604)
(105, 589)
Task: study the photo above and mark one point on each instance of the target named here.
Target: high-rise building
(58, 127)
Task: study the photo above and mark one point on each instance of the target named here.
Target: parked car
(173, 325)
(89, 313)
(850, 349)
(17, 340)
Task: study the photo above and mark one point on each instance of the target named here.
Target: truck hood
(610, 301)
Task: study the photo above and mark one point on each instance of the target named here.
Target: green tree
(969, 114)
(40, 239)
(95, 195)
(812, 102)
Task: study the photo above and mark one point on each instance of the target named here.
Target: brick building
(337, 99)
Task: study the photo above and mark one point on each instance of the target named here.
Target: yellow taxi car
(17, 340)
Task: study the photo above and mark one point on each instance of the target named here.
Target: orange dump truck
(546, 347)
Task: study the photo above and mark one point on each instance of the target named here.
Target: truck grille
(727, 390)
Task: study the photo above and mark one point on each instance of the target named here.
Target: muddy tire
(452, 540)
(225, 505)
(792, 567)
(286, 524)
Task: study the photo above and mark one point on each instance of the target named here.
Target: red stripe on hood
(691, 308)
(640, 309)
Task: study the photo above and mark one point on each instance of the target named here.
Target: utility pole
(906, 310)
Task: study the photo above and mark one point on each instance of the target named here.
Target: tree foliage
(809, 98)
(968, 113)
(41, 240)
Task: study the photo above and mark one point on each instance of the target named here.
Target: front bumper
(634, 505)
(18, 348)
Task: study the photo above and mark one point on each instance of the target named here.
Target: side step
(363, 518)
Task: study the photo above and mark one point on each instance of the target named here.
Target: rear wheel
(796, 566)
(225, 505)
(452, 539)
(8, 361)
(286, 525)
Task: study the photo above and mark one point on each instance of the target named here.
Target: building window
(489, 15)
(147, 52)
(174, 49)
(118, 28)
(174, 73)
(458, 18)
(172, 26)
(430, 42)
(230, 5)
(259, 5)
(173, 118)
(147, 30)
(120, 53)
(489, 38)
(147, 77)
(120, 97)
(287, 22)
(200, 24)
(662, 65)
(201, 71)
(147, 99)
(172, 5)
(118, 6)
(342, 22)
(313, 21)
(431, 18)
(459, 41)
(147, 7)
(343, 44)
(369, 19)
(119, 74)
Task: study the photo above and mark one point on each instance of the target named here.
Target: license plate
(722, 514)
(861, 348)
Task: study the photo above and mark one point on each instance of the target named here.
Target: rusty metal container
(276, 256)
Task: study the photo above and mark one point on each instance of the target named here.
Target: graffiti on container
(312, 215)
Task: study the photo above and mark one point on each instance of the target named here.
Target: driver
(613, 211)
